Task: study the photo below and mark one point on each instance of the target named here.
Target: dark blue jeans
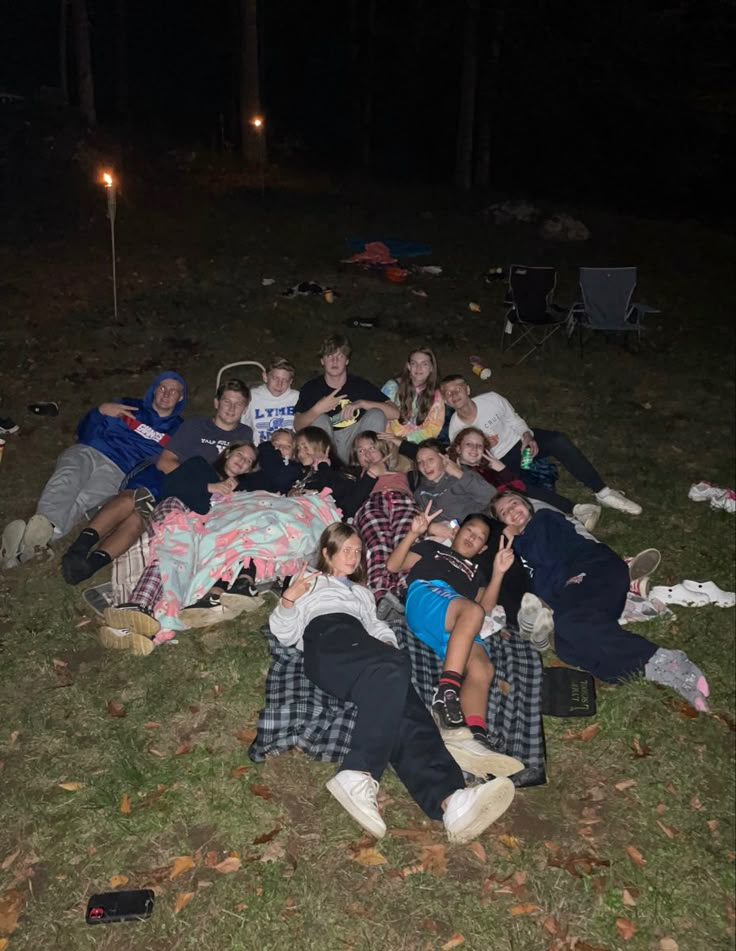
(560, 447)
(392, 724)
(587, 632)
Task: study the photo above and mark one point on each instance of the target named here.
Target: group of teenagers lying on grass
(348, 495)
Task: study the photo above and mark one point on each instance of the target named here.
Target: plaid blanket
(299, 714)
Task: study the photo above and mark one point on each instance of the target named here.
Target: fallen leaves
(245, 736)
(182, 900)
(626, 928)
(125, 804)
(434, 860)
(267, 836)
(117, 881)
(11, 905)
(628, 899)
(274, 851)
(70, 787)
(263, 792)
(369, 857)
(635, 855)
(181, 864)
(668, 944)
(526, 909)
(577, 864)
(457, 939)
(478, 851)
(9, 859)
(182, 749)
(640, 749)
(625, 784)
(151, 725)
(231, 864)
(585, 735)
(669, 831)
(116, 709)
(510, 841)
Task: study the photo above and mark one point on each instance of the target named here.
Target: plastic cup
(483, 372)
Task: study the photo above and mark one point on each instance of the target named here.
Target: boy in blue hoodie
(111, 440)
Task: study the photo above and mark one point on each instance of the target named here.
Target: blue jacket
(128, 442)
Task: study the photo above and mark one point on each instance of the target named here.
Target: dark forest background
(630, 103)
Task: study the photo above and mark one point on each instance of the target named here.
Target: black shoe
(446, 708)
(8, 426)
(244, 585)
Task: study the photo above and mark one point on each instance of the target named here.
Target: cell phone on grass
(120, 906)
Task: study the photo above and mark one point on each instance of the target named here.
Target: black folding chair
(607, 305)
(530, 313)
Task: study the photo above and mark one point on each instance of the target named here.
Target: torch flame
(257, 121)
(107, 179)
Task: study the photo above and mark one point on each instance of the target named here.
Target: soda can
(480, 369)
(526, 457)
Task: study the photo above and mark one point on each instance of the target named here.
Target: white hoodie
(328, 595)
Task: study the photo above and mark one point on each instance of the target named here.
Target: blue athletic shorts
(426, 606)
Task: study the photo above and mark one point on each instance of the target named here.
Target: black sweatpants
(587, 632)
(392, 725)
(560, 447)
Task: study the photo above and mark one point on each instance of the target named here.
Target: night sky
(628, 102)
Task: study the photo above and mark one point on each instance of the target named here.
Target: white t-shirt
(495, 416)
(267, 413)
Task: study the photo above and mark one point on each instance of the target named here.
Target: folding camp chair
(240, 363)
(530, 310)
(606, 305)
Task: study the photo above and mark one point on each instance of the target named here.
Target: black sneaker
(446, 708)
(8, 426)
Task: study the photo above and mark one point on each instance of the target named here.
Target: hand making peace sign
(420, 523)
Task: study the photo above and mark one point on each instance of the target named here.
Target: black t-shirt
(355, 388)
(437, 562)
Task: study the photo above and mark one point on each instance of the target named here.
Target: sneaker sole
(12, 538)
(366, 822)
(208, 617)
(481, 764)
(644, 564)
(39, 532)
(132, 620)
(99, 598)
(241, 602)
(442, 723)
(493, 801)
(136, 644)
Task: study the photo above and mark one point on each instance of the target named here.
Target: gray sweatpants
(343, 439)
(82, 479)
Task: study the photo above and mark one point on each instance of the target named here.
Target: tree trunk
(464, 144)
(367, 117)
(85, 79)
(490, 107)
(252, 137)
(63, 51)
(122, 91)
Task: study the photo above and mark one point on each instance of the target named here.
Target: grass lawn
(134, 772)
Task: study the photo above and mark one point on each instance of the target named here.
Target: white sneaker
(703, 491)
(587, 514)
(39, 532)
(535, 621)
(613, 499)
(722, 599)
(726, 500)
(356, 792)
(470, 811)
(473, 756)
(12, 538)
(121, 639)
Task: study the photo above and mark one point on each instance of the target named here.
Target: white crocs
(679, 594)
(722, 599)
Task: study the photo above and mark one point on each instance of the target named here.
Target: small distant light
(107, 179)
(257, 121)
